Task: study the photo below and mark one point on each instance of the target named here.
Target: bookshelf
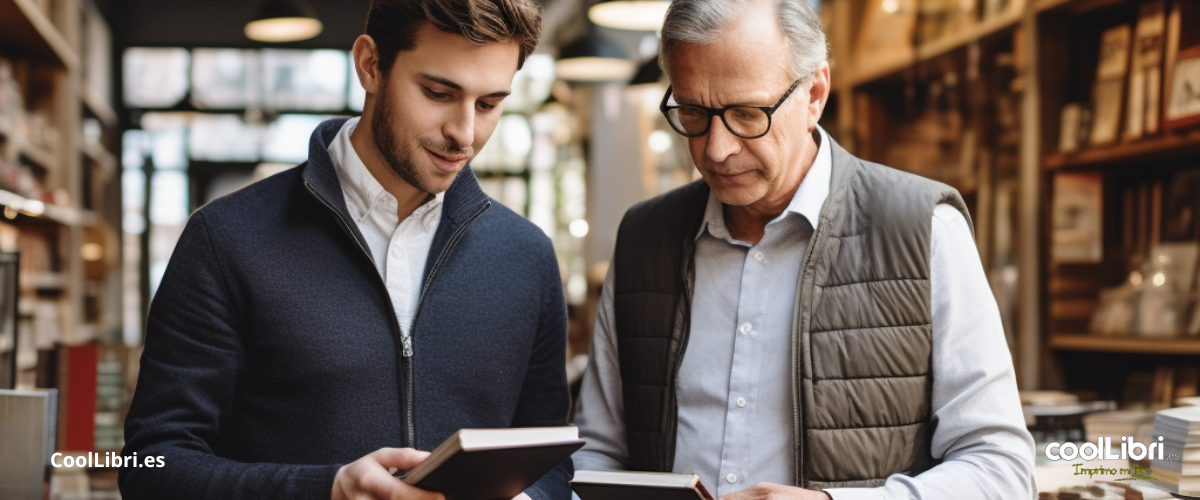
(1125, 344)
(925, 52)
(59, 188)
(29, 30)
(1184, 145)
(1039, 55)
(1137, 173)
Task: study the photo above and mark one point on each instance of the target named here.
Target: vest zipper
(685, 334)
(407, 350)
(798, 361)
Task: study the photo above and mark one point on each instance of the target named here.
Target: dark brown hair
(393, 23)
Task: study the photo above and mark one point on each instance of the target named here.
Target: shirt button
(397, 253)
(741, 402)
(758, 256)
(732, 478)
(746, 328)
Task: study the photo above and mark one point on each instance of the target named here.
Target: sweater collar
(464, 197)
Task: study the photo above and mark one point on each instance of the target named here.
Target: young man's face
(439, 104)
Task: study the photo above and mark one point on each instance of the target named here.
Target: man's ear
(366, 64)
(819, 92)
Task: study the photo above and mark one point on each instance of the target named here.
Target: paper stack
(1179, 468)
(1114, 424)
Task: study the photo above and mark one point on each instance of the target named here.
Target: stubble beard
(383, 131)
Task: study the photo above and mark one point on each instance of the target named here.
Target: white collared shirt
(399, 249)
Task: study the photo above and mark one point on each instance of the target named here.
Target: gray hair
(701, 21)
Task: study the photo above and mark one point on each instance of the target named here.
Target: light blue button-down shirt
(734, 387)
(740, 345)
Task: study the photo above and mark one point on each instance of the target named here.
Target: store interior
(1070, 127)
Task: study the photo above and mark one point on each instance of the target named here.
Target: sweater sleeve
(545, 398)
(191, 368)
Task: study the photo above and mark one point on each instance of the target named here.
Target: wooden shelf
(38, 156)
(1140, 345)
(934, 49)
(43, 281)
(1161, 148)
(1075, 7)
(962, 38)
(24, 27)
(39, 211)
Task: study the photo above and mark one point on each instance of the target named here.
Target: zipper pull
(408, 349)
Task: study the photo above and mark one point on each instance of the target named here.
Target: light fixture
(593, 59)
(579, 228)
(633, 15)
(280, 21)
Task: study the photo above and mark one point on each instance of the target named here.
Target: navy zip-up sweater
(273, 354)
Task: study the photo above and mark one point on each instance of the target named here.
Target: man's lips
(731, 176)
(446, 162)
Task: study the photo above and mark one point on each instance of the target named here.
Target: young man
(315, 329)
(801, 324)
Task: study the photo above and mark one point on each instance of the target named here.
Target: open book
(485, 464)
(620, 485)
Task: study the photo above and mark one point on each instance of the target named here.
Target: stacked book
(1114, 424)
(1179, 469)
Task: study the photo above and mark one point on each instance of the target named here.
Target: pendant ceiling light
(280, 21)
(633, 15)
(593, 59)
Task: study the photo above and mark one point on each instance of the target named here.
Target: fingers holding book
(369, 477)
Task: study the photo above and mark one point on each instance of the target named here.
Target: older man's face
(747, 65)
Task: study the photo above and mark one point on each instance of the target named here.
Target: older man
(801, 320)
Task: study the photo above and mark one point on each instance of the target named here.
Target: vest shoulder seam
(868, 282)
(832, 330)
(858, 427)
(815, 380)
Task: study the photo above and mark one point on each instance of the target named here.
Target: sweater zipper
(407, 350)
(395, 323)
(797, 361)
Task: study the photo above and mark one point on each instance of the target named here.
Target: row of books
(1143, 79)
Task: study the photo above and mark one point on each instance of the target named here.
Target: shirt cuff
(856, 494)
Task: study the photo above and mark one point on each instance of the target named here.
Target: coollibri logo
(1103, 449)
(109, 459)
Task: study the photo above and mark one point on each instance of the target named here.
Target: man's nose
(460, 129)
(721, 142)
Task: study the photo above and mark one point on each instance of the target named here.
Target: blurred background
(1068, 126)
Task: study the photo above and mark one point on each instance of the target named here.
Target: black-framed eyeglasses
(747, 122)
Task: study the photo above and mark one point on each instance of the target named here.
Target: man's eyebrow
(437, 79)
(450, 83)
(689, 102)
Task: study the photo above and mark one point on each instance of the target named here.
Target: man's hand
(769, 491)
(368, 477)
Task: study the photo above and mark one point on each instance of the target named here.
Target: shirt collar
(363, 192)
(806, 202)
